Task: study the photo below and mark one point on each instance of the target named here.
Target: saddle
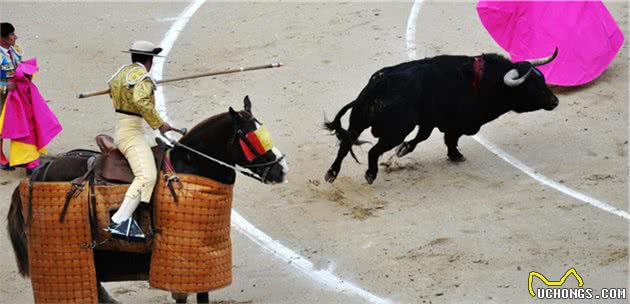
(107, 175)
(114, 167)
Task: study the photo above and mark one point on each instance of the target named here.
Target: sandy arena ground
(427, 230)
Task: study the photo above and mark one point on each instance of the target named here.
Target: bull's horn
(541, 61)
(511, 78)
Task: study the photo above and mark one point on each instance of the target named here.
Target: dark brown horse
(217, 137)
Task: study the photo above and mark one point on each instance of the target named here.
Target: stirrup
(128, 230)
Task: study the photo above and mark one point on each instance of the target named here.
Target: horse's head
(253, 148)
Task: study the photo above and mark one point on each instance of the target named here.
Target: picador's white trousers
(130, 141)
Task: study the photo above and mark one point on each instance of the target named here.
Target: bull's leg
(344, 149)
(103, 295)
(203, 297)
(384, 144)
(408, 146)
(451, 139)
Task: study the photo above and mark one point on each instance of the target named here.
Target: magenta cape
(27, 117)
(585, 33)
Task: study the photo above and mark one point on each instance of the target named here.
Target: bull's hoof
(456, 157)
(331, 175)
(370, 177)
(404, 149)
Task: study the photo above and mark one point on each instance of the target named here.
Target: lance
(231, 71)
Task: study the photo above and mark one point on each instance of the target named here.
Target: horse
(219, 137)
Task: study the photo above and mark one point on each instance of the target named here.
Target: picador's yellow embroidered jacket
(132, 92)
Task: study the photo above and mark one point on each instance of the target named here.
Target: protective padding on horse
(62, 271)
(193, 250)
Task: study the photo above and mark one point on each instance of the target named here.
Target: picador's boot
(127, 230)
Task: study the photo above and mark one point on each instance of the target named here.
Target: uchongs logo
(547, 282)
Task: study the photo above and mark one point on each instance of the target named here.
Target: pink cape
(28, 118)
(585, 33)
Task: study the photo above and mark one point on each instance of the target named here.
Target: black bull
(456, 94)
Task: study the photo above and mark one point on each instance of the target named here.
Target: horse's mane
(211, 120)
(203, 124)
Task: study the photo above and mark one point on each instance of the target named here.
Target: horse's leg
(103, 295)
(203, 297)
(179, 297)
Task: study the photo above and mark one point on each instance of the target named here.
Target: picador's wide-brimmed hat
(144, 48)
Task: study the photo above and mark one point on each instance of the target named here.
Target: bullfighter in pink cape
(10, 56)
(26, 119)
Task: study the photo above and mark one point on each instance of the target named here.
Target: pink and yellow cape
(26, 119)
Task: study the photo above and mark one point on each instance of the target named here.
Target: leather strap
(77, 188)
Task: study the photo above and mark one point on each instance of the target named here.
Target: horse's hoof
(370, 177)
(179, 297)
(404, 149)
(331, 175)
(456, 157)
(104, 297)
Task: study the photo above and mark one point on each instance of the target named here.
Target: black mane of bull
(444, 92)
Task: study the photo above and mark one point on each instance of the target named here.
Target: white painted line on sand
(548, 182)
(167, 44)
(412, 51)
(324, 277)
(410, 38)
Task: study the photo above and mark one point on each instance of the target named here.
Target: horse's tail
(17, 232)
(342, 134)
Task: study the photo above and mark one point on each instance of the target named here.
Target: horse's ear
(234, 114)
(248, 104)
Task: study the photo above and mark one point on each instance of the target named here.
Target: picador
(132, 92)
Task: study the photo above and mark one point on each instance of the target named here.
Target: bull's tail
(335, 125)
(342, 134)
(17, 232)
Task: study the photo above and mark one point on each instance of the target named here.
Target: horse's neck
(212, 138)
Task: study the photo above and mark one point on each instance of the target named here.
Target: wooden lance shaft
(260, 67)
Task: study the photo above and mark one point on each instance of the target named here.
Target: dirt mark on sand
(613, 255)
(358, 203)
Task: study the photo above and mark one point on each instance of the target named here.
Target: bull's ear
(247, 104)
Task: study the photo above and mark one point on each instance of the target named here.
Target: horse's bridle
(261, 178)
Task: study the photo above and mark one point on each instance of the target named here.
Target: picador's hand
(165, 127)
